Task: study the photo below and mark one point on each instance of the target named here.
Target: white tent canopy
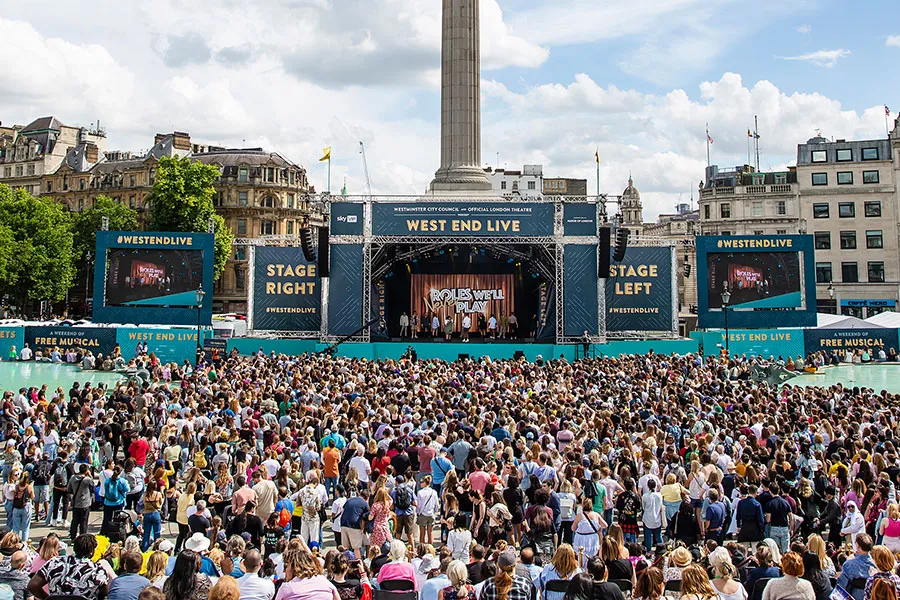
(826, 319)
(850, 323)
(886, 319)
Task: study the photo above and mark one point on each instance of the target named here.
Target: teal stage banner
(580, 220)
(580, 300)
(168, 344)
(446, 219)
(99, 340)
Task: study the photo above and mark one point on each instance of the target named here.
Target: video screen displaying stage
(456, 295)
(148, 277)
(755, 279)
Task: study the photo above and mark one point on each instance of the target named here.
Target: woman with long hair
(587, 528)
(724, 573)
(151, 514)
(650, 585)
(47, 551)
(695, 584)
(564, 565)
(816, 545)
(581, 587)
(114, 492)
(380, 514)
(480, 524)
(543, 534)
(23, 495)
(890, 528)
(459, 588)
(350, 586)
(619, 568)
(812, 572)
(186, 582)
(156, 568)
(515, 502)
(304, 579)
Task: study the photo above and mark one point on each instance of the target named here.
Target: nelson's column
(461, 169)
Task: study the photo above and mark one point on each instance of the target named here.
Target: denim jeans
(652, 537)
(630, 538)
(331, 486)
(21, 521)
(782, 537)
(152, 529)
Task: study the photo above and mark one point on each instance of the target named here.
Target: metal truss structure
(376, 262)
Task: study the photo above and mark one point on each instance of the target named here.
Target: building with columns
(631, 211)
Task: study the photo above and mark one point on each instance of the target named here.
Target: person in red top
(478, 478)
(426, 454)
(381, 462)
(138, 450)
(331, 458)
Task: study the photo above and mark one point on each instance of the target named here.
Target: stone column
(461, 168)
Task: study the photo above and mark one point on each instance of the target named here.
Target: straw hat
(681, 557)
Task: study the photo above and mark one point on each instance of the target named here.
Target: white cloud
(893, 40)
(821, 58)
(803, 28)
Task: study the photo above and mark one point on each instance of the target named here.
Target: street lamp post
(726, 298)
(200, 294)
(831, 296)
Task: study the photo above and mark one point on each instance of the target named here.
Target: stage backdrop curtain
(459, 286)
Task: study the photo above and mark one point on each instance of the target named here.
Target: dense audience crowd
(317, 477)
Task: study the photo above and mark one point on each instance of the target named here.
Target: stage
(450, 351)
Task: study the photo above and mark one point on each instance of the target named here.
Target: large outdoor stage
(453, 266)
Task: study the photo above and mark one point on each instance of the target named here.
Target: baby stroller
(120, 526)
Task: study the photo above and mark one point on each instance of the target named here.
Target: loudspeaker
(603, 256)
(323, 252)
(309, 253)
(463, 356)
(621, 244)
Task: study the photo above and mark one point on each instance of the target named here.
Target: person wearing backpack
(404, 498)
(62, 472)
(114, 491)
(42, 474)
(308, 497)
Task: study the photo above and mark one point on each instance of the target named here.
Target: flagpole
(886, 115)
(748, 147)
(707, 145)
(756, 138)
(329, 174)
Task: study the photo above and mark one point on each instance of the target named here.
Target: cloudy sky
(637, 79)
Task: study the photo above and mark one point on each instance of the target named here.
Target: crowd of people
(318, 477)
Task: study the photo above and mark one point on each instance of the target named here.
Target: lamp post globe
(200, 294)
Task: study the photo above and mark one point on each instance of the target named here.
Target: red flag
(708, 138)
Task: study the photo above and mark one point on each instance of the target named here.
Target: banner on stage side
(483, 219)
(843, 340)
(286, 291)
(639, 291)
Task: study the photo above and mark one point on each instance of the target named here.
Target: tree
(182, 200)
(86, 224)
(39, 234)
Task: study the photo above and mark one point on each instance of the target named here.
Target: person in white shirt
(26, 353)
(361, 466)
(466, 326)
(654, 517)
(252, 586)
(427, 504)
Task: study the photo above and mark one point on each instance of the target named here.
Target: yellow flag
(326, 154)
(597, 155)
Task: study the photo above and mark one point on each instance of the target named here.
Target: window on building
(844, 155)
(845, 177)
(132, 201)
(152, 176)
(876, 272)
(291, 177)
(81, 205)
(81, 184)
(781, 178)
(267, 227)
(270, 174)
(870, 153)
(19, 171)
(7, 171)
(268, 202)
(820, 178)
(874, 238)
(502, 185)
(846, 210)
(820, 211)
(291, 199)
(706, 211)
(848, 240)
(31, 169)
(217, 198)
(725, 210)
(242, 226)
(290, 228)
(823, 240)
(726, 232)
(758, 179)
(243, 174)
(849, 272)
(239, 279)
(49, 186)
(131, 181)
(819, 156)
(531, 185)
(823, 272)
(780, 207)
(758, 232)
(873, 208)
(757, 209)
(870, 177)
(240, 253)
(242, 198)
(780, 231)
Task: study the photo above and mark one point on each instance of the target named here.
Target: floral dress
(381, 531)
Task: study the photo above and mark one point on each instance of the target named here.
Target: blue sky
(636, 79)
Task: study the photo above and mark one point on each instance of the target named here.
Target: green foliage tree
(182, 200)
(36, 234)
(86, 224)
